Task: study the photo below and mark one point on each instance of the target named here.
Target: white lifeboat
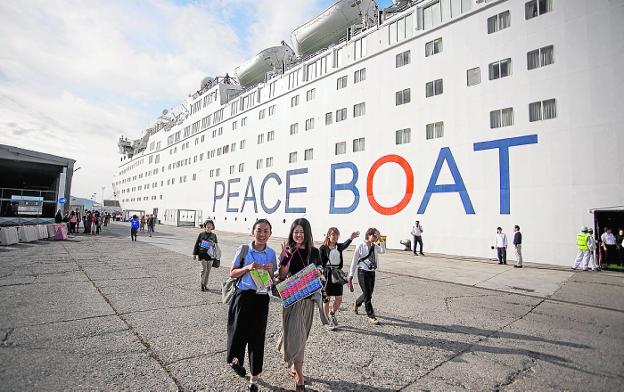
(331, 25)
(254, 70)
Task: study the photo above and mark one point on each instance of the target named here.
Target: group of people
(610, 249)
(137, 224)
(92, 221)
(249, 308)
(500, 244)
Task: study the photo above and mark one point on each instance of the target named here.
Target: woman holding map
(331, 257)
(253, 266)
(297, 253)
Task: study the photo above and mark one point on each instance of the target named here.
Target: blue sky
(74, 76)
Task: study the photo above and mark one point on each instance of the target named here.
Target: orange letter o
(409, 188)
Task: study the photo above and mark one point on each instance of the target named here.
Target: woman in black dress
(331, 258)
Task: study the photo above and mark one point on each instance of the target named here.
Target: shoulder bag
(229, 286)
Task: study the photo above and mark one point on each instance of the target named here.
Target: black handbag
(337, 276)
(216, 263)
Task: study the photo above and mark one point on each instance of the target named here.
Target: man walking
(591, 249)
(417, 231)
(501, 246)
(517, 242)
(581, 242)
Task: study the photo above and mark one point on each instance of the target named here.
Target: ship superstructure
(463, 114)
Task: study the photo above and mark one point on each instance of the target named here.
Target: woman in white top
(366, 261)
(331, 259)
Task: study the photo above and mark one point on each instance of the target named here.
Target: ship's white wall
(572, 168)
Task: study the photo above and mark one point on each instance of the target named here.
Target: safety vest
(581, 240)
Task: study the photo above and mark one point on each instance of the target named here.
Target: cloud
(76, 75)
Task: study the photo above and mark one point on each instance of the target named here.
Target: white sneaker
(330, 326)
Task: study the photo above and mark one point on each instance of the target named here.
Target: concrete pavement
(102, 313)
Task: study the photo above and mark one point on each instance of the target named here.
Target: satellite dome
(207, 81)
(164, 112)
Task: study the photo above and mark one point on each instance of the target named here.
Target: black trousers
(247, 322)
(418, 240)
(367, 284)
(502, 255)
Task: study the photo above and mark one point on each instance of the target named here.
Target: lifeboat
(331, 25)
(254, 70)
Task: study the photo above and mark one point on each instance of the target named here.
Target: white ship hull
(542, 175)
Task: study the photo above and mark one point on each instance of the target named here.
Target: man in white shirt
(609, 245)
(501, 246)
(417, 231)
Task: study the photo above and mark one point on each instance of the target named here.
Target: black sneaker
(238, 369)
(333, 319)
(253, 387)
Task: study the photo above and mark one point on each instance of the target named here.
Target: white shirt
(501, 240)
(417, 230)
(334, 257)
(608, 239)
(362, 251)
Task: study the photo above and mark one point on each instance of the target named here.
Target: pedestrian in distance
(73, 220)
(58, 218)
(517, 243)
(249, 309)
(582, 240)
(609, 245)
(417, 231)
(98, 222)
(142, 222)
(151, 222)
(366, 261)
(206, 249)
(591, 249)
(94, 222)
(501, 246)
(134, 227)
(297, 253)
(332, 261)
(619, 238)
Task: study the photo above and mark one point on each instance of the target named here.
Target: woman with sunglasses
(366, 261)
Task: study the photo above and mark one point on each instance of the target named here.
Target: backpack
(229, 286)
(135, 223)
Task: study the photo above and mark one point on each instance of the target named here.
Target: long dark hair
(308, 241)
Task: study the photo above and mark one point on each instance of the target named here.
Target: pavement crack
(151, 352)
(5, 343)
(512, 377)
(207, 355)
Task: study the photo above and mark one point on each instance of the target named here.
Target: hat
(584, 229)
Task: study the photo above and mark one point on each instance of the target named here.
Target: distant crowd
(92, 221)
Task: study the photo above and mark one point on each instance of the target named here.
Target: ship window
(259, 163)
(359, 75)
(293, 79)
(271, 89)
(540, 57)
(498, 22)
(534, 8)
(292, 157)
(271, 110)
(261, 114)
(269, 162)
(294, 101)
(308, 154)
(435, 87)
(241, 167)
(435, 130)
(501, 118)
(403, 136)
(341, 82)
(261, 138)
(217, 172)
(328, 118)
(270, 136)
(543, 110)
(234, 108)
(234, 125)
(403, 96)
(201, 156)
(402, 59)
(341, 148)
(359, 109)
(359, 144)
(359, 48)
(243, 123)
(500, 69)
(433, 47)
(341, 114)
(157, 159)
(432, 15)
(309, 124)
(310, 94)
(242, 144)
(473, 76)
(294, 128)
(233, 147)
(400, 29)
(337, 58)
(219, 151)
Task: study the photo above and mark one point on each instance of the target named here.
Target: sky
(77, 75)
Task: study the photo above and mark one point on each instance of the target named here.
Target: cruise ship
(463, 114)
